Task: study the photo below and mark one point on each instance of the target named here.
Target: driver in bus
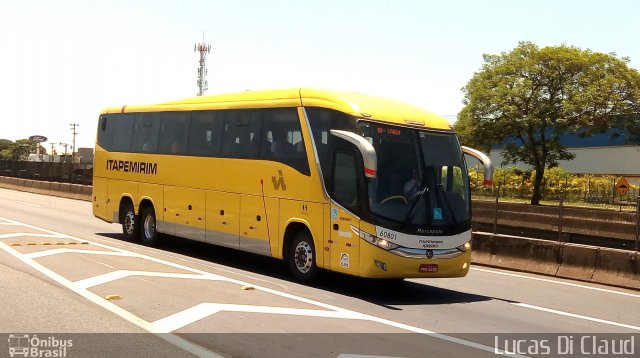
(414, 185)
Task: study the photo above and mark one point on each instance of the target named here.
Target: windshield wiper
(415, 206)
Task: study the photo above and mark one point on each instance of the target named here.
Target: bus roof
(356, 104)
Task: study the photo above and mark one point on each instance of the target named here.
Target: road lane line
(30, 204)
(128, 316)
(120, 274)
(573, 315)
(149, 327)
(556, 282)
(20, 234)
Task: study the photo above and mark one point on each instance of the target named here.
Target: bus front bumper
(378, 263)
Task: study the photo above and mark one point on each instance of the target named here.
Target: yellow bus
(322, 179)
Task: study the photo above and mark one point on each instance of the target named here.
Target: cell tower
(204, 49)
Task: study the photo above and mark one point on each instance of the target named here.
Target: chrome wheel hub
(149, 226)
(303, 256)
(129, 220)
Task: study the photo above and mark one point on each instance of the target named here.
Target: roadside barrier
(579, 262)
(65, 190)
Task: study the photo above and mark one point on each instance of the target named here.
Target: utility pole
(65, 145)
(51, 156)
(73, 146)
(204, 49)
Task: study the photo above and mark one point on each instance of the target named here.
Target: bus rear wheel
(148, 231)
(130, 223)
(302, 258)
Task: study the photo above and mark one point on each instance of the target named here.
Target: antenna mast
(204, 49)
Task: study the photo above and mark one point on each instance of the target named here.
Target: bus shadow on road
(385, 293)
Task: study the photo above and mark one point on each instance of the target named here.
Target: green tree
(534, 95)
(18, 150)
(6, 149)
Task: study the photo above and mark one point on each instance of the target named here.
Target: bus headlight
(385, 244)
(464, 248)
(382, 243)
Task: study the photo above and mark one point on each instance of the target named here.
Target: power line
(204, 49)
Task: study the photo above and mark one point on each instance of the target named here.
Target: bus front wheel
(130, 222)
(302, 257)
(148, 227)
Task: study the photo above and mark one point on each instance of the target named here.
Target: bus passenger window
(145, 133)
(283, 139)
(173, 133)
(205, 133)
(241, 137)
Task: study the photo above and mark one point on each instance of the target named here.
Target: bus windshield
(422, 177)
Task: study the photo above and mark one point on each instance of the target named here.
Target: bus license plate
(429, 268)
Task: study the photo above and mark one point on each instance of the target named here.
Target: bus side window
(145, 132)
(283, 139)
(173, 133)
(120, 132)
(105, 134)
(322, 120)
(205, 134)
(241, 138)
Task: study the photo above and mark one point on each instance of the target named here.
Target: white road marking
(204, 310)
(28, 234)
(562, 313)
(120, 274)
(175, 340)
(160, 253)
(557, 282)
(193, 347)
(30, 204)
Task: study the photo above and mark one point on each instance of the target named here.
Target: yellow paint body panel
(380, 109)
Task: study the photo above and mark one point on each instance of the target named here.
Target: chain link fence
(513, 185)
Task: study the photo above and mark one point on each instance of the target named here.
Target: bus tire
(302, 257)
(130, 222)
(148, 232)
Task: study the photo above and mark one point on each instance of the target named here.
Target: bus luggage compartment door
(253, 223)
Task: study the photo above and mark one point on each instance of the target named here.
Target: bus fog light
(465, 265)
(381, 265)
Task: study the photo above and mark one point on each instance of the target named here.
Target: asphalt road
(68, 277)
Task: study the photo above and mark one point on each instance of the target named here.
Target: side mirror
(366, 150)
(486, 162)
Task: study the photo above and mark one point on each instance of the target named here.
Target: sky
(63, 61)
